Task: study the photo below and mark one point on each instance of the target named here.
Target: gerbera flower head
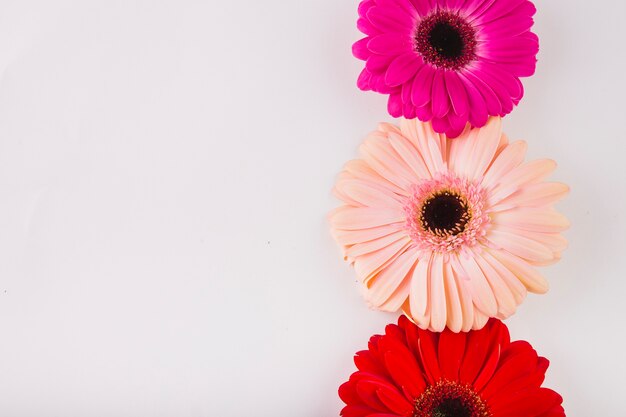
(447, 61)
(449, 231)
(409, 372)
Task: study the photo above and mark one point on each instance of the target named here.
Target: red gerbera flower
(412, 372)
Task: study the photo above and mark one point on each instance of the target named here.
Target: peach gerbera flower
(450, 231)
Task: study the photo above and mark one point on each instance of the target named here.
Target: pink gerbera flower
(447, 61)
(448, 230)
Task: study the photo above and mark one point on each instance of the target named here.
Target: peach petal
(379, 156)
(532, 280)
(520, 246)
(364, 248)
(532, 219)
(419, 296)
(410, 155)
(384, 284)
(534, 195)
(515, 285)
(360, 169)
(366, 266)
(427, 142)
(482, 294)
(482, 144)
(504, 297)
(399, 297)
(351, 237)
(454, 311)
(356, 218)
(510, 158)
(527, 173)
(437, 294)
(369, 194)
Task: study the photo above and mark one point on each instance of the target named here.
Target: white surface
(165, 172)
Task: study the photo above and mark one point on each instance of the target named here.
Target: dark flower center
(450, 399)
(451, 407)
(445, 213)
(446, 40)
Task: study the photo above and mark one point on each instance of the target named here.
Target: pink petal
(394, 105)
(440, 98)
(389, 44)
(494, 107)
(389, 19)
(403, 68)
(457, 93)
(421, 93)
(363, 82)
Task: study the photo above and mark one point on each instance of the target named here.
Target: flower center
(446, 40)
(450, 399)
(445, 213)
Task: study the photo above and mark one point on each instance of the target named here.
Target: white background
(165, 173)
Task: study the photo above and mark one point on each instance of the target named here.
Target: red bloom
(412, 372)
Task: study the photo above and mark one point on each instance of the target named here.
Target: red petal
(451, 351)
(428, 353)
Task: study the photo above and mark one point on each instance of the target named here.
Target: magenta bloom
(447, 61)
